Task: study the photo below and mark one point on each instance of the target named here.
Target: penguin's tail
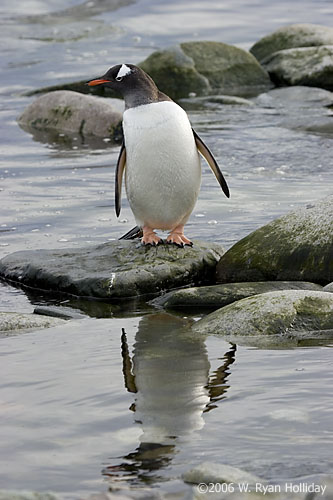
(136, 232)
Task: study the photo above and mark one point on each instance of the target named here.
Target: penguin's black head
(131, 82)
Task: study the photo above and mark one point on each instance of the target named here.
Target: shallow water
(70, 419)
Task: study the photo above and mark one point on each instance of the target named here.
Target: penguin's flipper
(136, 232)
(206, 153)
(121, 164)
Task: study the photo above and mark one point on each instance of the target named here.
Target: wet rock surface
(311, 66)
(285, 313)
(216, 296)
(115, 270)
(205, 67)
(292, 36)
(328, 288)
(14, 322)
(27, 495)
(68, 111)
(208, 472)
(296, 246)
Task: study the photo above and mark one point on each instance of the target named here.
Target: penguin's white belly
(163, 172)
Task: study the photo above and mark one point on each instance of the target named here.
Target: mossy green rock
(68, 111)
(114, 270)
(292, 36)
(273, 313)
(295, 247)
(206, 68)
(311, 66)
(227, 67)
(174, 73)
(216, 296)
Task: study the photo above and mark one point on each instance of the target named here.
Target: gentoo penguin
(159, 155)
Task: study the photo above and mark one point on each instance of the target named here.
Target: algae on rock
(282, 313)
(295, 247)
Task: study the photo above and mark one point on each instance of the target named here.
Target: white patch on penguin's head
(124, 70)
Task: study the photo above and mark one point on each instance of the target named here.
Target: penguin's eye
(119, 78)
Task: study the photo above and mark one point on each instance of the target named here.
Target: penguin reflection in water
(159, 155)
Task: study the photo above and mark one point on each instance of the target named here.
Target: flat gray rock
(295, 247)
(282, 313)
(27, 495)
(13, 322)
(114, 270)
(216, 296)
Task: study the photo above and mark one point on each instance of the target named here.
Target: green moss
(62, 111)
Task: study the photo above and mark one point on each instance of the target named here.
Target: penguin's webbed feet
(150, 237)
(178, 238)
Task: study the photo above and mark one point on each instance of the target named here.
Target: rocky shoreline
(277, 282)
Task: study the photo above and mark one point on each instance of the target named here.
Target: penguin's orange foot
(150, 238)
(178, 238)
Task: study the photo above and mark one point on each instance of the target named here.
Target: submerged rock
(68, 111)
(283, 313)
(13, 322)
(206, 67)
(292, 36)
(216, 296)
(297, 246)
(114, 270)
(211, 472)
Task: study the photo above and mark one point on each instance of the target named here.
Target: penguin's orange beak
(99, 81)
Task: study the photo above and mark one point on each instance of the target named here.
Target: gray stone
(216, 296)
(211, 472)
(174, 73)
(26, 495)
(206, 67)
(68, 111)
(328, 288)
(59, 312)
(287, 313)
(292, 36)
(312, 66)
(227, 67)
(114, 270)
(295, 247)
(13, 322)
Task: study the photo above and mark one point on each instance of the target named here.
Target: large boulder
(68, 111)
(174, 73)
(13, 322)
(290, 37)
(295, 247)
(312, 66)
(299, 54)
(114, 270)
(206, 67)
(216, 296)
(282, 313)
